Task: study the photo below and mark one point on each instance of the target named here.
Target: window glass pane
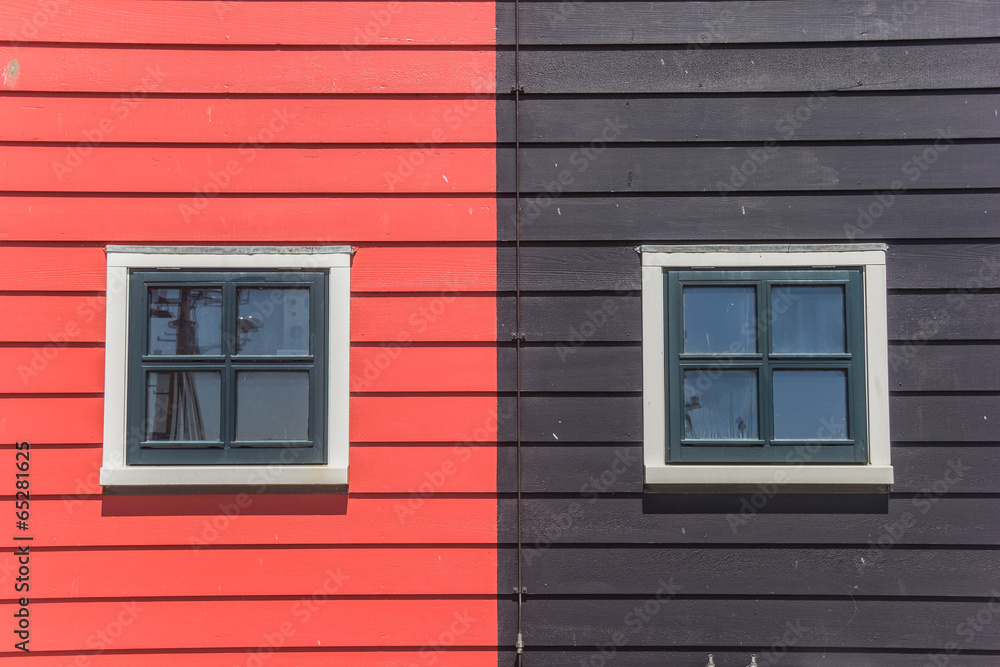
(810, 405)
(807, 319)
(183, 405)
(720, 404)
(273, 321)
(185, 320)
(272, 405)
(719, 320)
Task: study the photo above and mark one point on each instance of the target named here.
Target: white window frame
(779, 477)
(122, 259)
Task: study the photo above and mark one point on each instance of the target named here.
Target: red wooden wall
(367, 123)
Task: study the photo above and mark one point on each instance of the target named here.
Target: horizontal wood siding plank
(373, 419)
(445, 269)
(51, 369)
(206, 172)
(288, 572)
(926, 66)
(139, 71)
(68, 626)
(747, 216)
(402, 368)
(260, 520)
(361, 657)
(914, 318)
(236, 219)
(966, 268)
(700, 24)
(73, 473)
(576, 367)
(944, 368)
(598, 571)
(747, 624)
(802, 117)
(352, 24)
(375, 318)
(803, 520)
(441, 317)
(659, 656)
(614, 419)
(102, 119)
(588, 469)
(734, 169)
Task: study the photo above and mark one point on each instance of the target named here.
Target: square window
(227, 366)
(765, 365)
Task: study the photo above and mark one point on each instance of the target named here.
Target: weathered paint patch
(11, 73)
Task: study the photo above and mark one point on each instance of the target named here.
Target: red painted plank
(51, 369)
(52, 420)
(420, 317)
(419, 470)
(229, 22)
(235, 71)
(207, 172)
(285, 658)
(456, 419)
(287, 572)
(45, 318)
(199, 521)
(32, 318)
(235, 220)
(423, 269)
(373, 419)
(38, 269)
(74, 472)
(392, 120)
(183, 624)
(401, 367)
(447, 270)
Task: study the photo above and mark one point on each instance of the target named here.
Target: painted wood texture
(370, 124)
(248, 120)
(354, 24)
(639, 124)
(234, 70)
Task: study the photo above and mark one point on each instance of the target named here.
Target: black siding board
(666, 519)
(821, 117)
(738, 170)
(698, 24)
(914, 319)
(618, 418)
(736, 571)
(748, 69)
(757, 217)
(589, 468)
(945, 368)
(967, 267)
(781, 656)
(756, 624)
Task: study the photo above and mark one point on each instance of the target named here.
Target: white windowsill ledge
(270, 475)
(782, 476)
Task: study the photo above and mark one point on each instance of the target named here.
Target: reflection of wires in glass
(245, 325)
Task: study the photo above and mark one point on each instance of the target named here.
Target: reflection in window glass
(183, 405)
(810, 404)
(273, 321)
(807, 319)
(272, 405)
(720, 320)
(720, 405)
(185, 320)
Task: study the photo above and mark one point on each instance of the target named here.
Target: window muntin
(742, 346)
(233, 367)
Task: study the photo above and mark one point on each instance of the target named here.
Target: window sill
(266, 475)
(782, 478)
